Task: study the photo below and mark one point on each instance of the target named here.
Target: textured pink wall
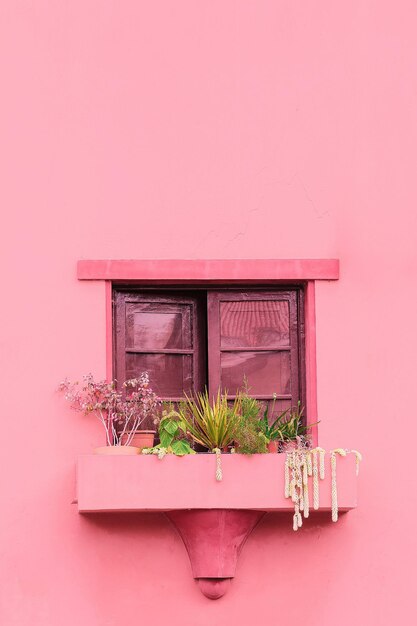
(218, 129)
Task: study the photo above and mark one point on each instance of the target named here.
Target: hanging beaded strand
(357, 460)
(335, 509)
(299, 464)
(305, 485)
(300, 480)
(334, 487)
(219, 472)
(316, 491)
(293, 484)
(295, 519)
(302, 463)
(296, 484)
(293, 488)
(309, 464)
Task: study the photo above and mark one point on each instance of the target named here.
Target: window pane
(274, 410)
(254, 323)
(266, 372)
(170, 374)
(154, 330)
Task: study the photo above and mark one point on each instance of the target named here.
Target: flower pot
(117, 450)
(288, 446)
(273, 446)
(141, 439)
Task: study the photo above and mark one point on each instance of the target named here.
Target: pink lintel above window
(215, 270)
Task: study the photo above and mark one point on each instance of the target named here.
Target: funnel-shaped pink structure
(214, 539)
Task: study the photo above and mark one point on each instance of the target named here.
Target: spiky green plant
(211, 423)
(276, 430)
(293, 427)
(248, 436)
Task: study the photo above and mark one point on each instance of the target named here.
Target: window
(188, 339)
(207, 273)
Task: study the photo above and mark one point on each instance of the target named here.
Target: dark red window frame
(264, 348)
(204, 348)
(183, 349)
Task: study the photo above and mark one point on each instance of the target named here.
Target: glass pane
(266, 372)
(170, 374)
(254, 323)
(274, 409)
(277, 408)
(153, 331)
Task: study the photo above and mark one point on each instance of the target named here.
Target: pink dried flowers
(120, 413)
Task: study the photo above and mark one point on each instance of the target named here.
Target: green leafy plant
(171, 436)
(211, 423)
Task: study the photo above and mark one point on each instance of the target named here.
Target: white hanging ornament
(358, 460)
(305, 490)
(299, 465)
(316, 491)
(335, 509)
(322, 453)
(309, 464)
(219, 472)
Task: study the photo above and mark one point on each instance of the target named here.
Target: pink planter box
(146, 483)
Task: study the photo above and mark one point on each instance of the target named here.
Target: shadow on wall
(127, 526)
(121, 538)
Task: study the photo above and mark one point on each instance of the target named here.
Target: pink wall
(253, 129)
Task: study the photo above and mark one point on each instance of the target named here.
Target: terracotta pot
(141, 439)
(273, 446)
(117, 450)
(287, 446)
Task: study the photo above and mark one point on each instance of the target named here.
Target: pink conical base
(214, 539)
(214, 588)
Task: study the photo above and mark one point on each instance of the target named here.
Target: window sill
(146, 483)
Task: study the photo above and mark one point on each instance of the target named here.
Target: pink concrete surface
(146, 483)
(214, 539)
(215, 270)
(207, 130)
